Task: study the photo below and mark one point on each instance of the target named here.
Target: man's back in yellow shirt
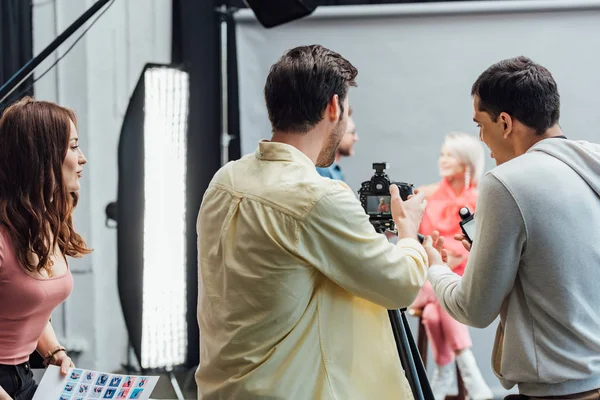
(294, 284)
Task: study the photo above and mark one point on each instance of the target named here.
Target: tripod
(409, 356)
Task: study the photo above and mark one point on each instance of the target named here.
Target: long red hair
(35, 205)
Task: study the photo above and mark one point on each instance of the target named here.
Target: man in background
(345, 149)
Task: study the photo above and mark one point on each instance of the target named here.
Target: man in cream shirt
(294, 280)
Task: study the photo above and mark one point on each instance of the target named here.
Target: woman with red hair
(40, 167)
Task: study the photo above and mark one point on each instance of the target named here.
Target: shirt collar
(275, 151)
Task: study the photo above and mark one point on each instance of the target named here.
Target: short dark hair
(521, 88)
(302, 82)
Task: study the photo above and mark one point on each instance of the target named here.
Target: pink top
(441, 214)
(25, 304)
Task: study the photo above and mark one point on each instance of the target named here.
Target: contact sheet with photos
(80, 384)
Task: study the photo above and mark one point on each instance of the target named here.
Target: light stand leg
(176, 387)
(129, 367)
(190, 377)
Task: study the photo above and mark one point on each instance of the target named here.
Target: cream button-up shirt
(294, 286)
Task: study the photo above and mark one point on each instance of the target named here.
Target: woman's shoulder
(430, 189)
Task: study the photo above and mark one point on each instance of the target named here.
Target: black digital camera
(467, 223)
(375, 197)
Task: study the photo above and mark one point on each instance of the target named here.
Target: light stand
(151, 212)
(21, 75)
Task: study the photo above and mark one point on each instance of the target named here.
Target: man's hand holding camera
(407, 217)
(407, 214)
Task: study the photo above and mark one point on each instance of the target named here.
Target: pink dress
(445, 335)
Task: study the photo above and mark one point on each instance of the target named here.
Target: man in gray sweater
(535, 258)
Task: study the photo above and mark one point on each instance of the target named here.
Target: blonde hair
(469, 151)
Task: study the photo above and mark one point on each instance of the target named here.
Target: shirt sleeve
(337, 238)
(494, 259)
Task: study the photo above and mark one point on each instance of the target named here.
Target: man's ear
(506, 123)
(333, 111)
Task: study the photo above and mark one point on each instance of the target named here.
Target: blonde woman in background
(461, 165)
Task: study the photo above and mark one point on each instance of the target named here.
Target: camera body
(375, 198)
(467, 223)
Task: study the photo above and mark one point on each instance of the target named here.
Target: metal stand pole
(409, 356)
(175, 385)
(190, 377)
(28, 68)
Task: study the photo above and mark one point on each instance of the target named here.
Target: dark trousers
(589, 395)
(17, 381)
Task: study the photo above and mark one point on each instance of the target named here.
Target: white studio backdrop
(416, 65)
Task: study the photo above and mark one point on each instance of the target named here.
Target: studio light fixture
(271, 13)
(163, 315)
(150, 213)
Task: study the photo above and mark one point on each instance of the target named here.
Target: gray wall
(416, 65)
(96, 79)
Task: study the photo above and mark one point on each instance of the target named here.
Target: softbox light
(271, 13)
(151, 217)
